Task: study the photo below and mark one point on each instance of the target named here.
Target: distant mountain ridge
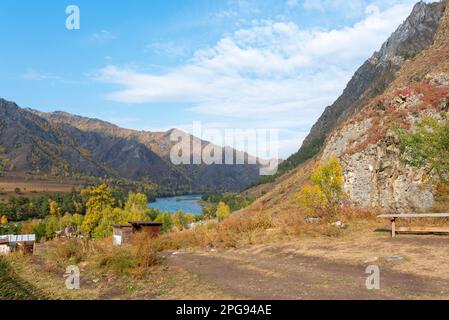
(67, 145)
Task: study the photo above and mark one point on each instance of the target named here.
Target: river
(188, 204)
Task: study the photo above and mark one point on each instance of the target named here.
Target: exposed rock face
(406, 81)
(375, 75)
(375, 175)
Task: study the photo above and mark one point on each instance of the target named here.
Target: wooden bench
(394, 217)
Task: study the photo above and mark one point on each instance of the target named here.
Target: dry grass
(237, 229)
(36, 187)
(257, 227)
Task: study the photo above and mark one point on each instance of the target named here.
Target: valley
(111, 202)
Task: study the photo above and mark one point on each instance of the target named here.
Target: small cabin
(22, 243)
(123, 232)
(153, 229)
(4, 247)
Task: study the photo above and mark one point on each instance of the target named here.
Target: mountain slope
(65, 145)
(374, 76)
(225, 177)
(365, 142)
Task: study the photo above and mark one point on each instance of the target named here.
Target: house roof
(145, 224)
(18, 238)
(121, 226)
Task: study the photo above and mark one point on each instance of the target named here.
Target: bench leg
(393, 228)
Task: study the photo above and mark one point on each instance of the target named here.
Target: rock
(439, 79)
(339, 224)
(371, 260)
(312, 219)
(393, 258)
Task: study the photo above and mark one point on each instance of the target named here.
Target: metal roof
(18, 238)
(142, 223)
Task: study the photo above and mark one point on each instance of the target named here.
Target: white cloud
(352, 7)
(267, 74)
(33, 75)
(103, 36)
(168, 48)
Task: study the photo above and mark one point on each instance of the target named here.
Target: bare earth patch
(326, 268)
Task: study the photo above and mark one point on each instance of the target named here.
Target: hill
(363, 135)
(69, 146)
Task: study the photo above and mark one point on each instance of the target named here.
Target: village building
(123, 232)
(22, 243)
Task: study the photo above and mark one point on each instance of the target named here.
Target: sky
(156, 65)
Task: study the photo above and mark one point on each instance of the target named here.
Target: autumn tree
(53, 208)
(189, 218)
(3, 220)
(167, 221)
(179, 220)
(223, 211)
(325, 194)
(136, 202)
(100, 201)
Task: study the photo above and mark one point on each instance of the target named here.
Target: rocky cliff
(367, 146)
(375, 75)
(407, 80)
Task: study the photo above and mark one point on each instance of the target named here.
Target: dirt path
(273, 274)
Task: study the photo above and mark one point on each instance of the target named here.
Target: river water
(188, 204)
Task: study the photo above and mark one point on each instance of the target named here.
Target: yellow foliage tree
(325, 194)
(54, 209)
(99, 202)
(136, 202)
(312, 199)
(190, 218)
(179, 220)
(223, 211)
(4, 220)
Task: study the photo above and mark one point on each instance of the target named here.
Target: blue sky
(155, 65)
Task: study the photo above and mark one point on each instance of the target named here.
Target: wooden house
(123, 232)
(153, 229)
(23, 243)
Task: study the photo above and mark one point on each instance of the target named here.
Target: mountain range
(64, 145)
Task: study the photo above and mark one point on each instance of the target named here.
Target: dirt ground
(411, 267)
(304, 268)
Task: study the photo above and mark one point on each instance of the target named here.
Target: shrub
(119, 260)
(325, 195)
(134, 259)
(427, 146)
(223, 211)
(167, 222)
(71, 251)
